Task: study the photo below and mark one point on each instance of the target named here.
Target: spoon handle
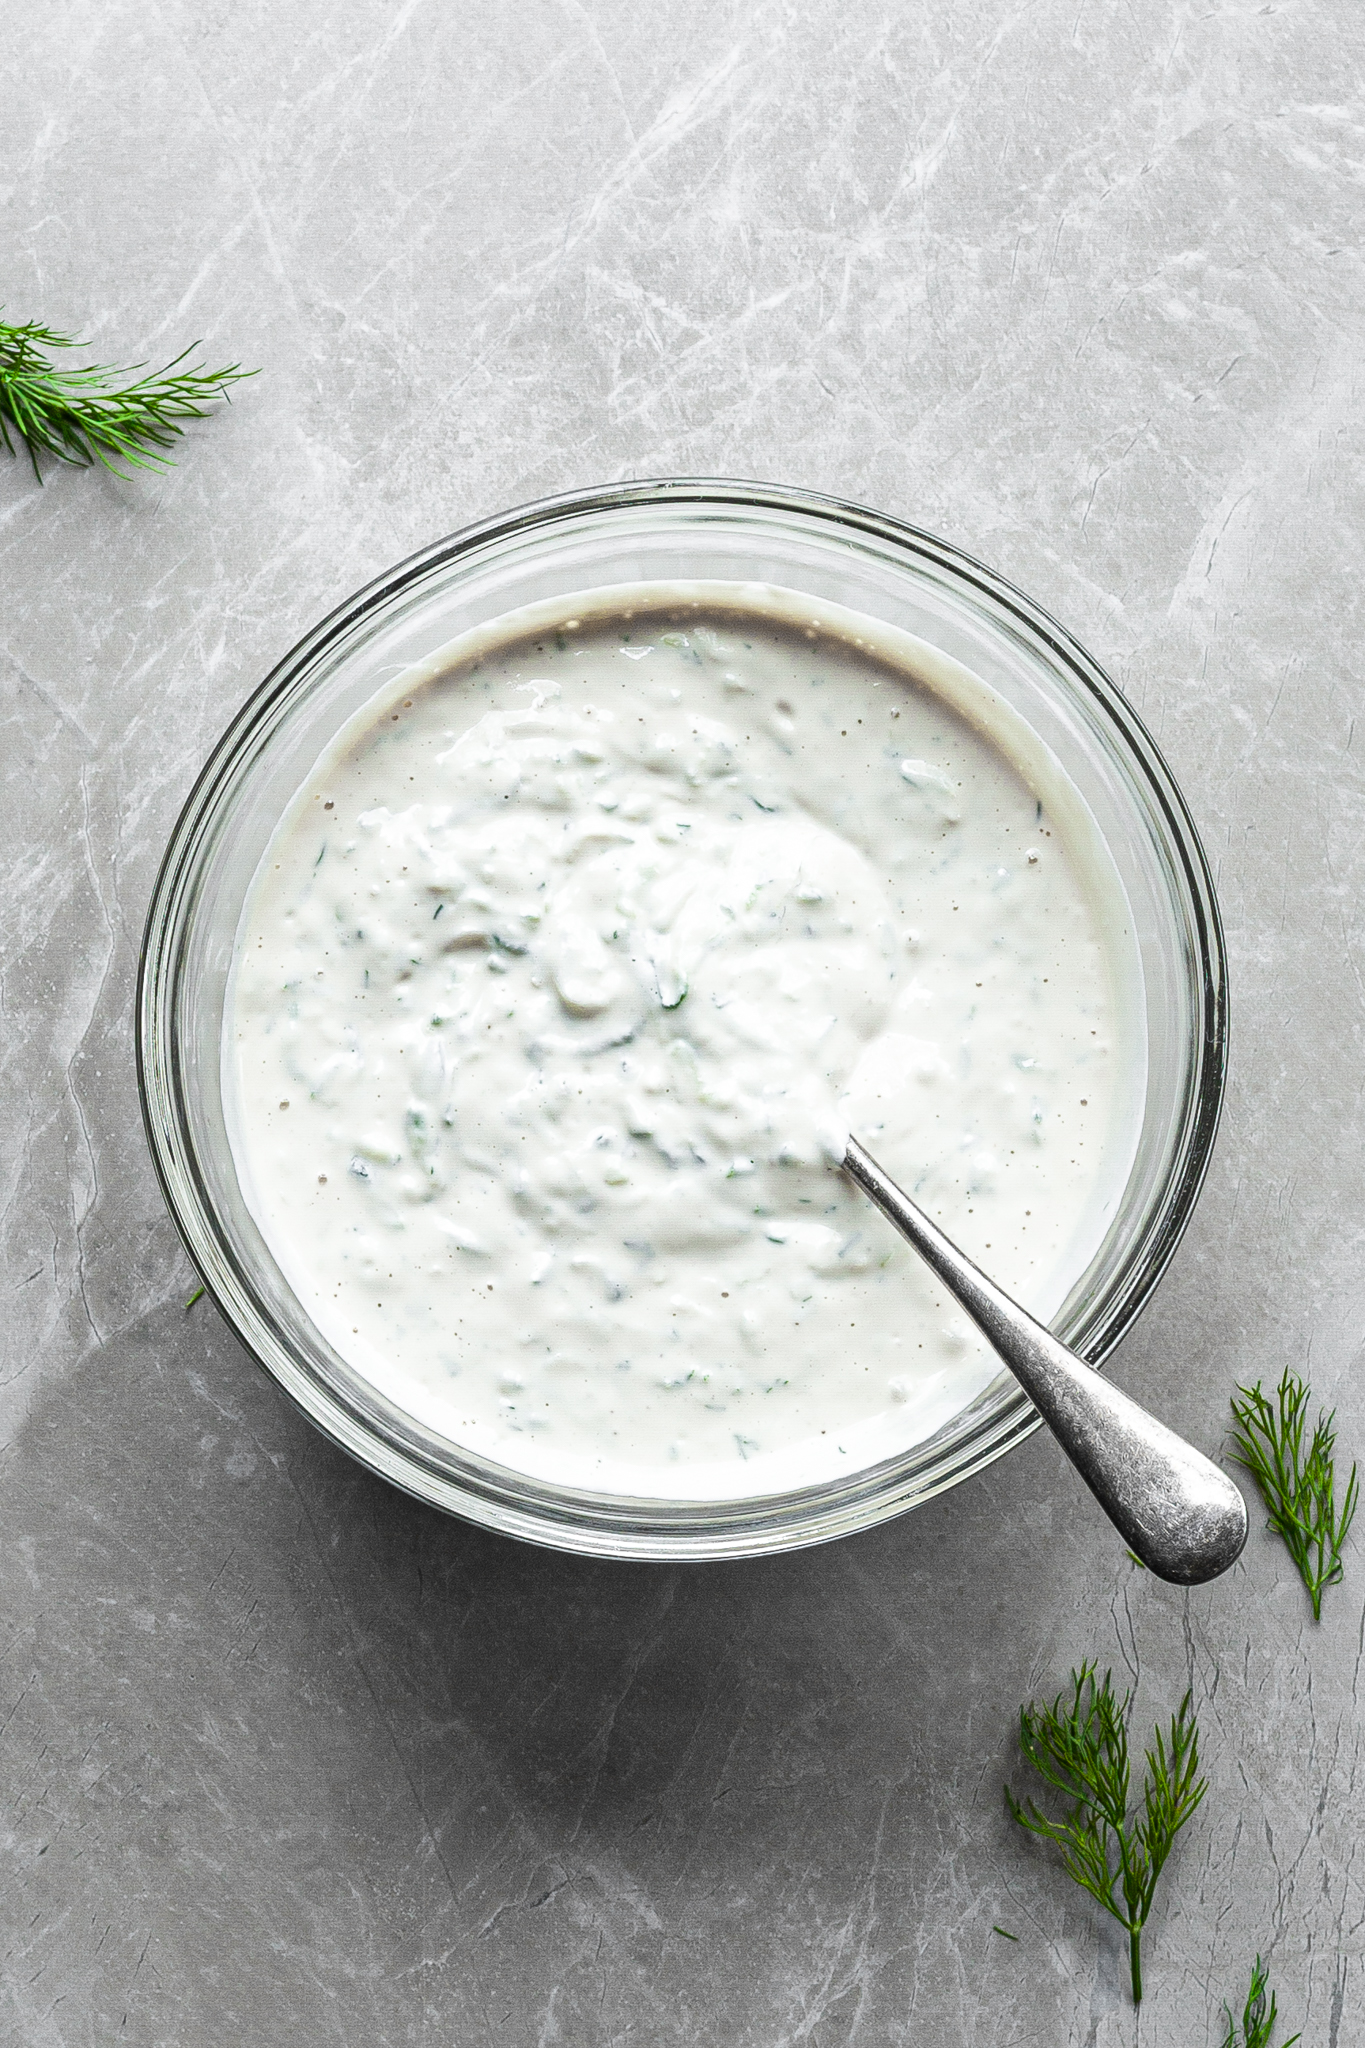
(1173, 1507)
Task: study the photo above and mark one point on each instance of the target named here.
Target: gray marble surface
(285, 1758)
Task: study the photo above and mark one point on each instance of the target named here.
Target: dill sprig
(1258, 2019)
(1297, 1478)
(99, 414)
(1080, 1746)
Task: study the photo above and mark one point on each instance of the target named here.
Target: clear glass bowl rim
(494, 1496)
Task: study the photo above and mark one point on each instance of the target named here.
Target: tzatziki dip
(565, 977)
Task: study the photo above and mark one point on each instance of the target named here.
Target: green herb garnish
(1298, 1484)
(1258, 2020)
(1003, 1930)
(198, 1295)
(1080, 1746)
(98, 414)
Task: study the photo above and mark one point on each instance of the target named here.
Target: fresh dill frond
(1079, 1745)
(99, 414)
(995, 1929)
(1258, 2019)
(1297, 1477)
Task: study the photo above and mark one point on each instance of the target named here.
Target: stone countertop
(286, 1758)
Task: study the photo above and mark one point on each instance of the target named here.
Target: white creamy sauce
(564, 979)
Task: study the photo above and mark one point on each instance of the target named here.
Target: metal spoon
(1173, 1507)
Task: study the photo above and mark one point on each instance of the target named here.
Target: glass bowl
(650, 532)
